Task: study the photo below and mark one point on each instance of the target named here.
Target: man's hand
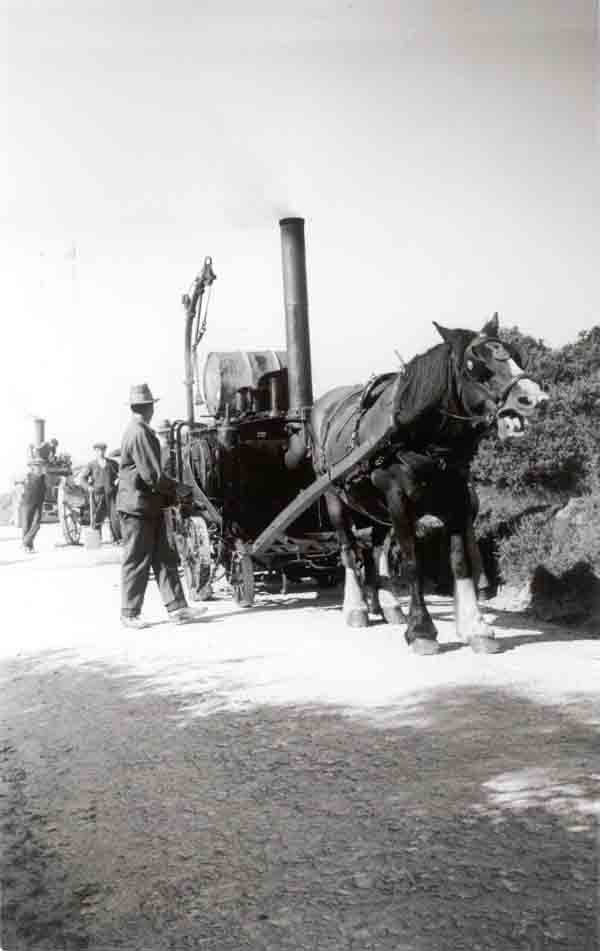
(185, 499)
(183, 491)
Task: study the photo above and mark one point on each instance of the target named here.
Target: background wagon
(57, 467)
(73, 502)
(74, 507)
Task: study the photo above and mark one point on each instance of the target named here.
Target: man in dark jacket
(101, 476)
(144, 491)
(32, 503)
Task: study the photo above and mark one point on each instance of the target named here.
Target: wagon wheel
(195, 553)
(69, 518)
(241, 576)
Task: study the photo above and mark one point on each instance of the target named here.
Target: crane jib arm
(309, 496)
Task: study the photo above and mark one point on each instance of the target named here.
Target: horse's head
(491, 381)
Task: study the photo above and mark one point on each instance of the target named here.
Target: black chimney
(295, 296)
(39, 431)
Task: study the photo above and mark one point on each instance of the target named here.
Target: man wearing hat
(144, 492)
(163, 431)
(32, 502)
(101, 476)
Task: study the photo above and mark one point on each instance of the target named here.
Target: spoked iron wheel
(241, 576)
(70, 520)
(193, 542)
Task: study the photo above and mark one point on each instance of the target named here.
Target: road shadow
(457, 819)
(532, 631)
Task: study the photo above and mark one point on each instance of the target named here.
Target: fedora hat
(141, 393)
(99, 445)
(163, 426)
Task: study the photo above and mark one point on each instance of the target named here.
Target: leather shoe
(134, 622)
(187, 615)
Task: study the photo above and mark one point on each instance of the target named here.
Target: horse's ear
(492, 327)
(444, 333)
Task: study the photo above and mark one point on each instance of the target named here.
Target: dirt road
(269, 779)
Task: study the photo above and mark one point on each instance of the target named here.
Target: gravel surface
(269, 779)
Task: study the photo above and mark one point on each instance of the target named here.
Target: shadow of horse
(532, 631)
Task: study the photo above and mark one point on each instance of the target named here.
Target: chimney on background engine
(295, 297)
(39, 431)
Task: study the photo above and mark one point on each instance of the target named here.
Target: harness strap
(328, 423)
(365, 403)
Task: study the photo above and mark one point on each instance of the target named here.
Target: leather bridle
(467, 373)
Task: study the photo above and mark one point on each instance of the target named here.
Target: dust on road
(271, 781)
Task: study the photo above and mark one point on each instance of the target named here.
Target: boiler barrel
(225, 372)
(295, 297)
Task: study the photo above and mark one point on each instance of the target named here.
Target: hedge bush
(521, 483)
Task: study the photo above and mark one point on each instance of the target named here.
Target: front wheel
(193, 543)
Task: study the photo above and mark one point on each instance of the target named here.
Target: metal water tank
(225, 372)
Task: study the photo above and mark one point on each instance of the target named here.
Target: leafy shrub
(559, 451)
(530, 545)
(571, 597)
(536, 549)
(581, 542)
(521, 483)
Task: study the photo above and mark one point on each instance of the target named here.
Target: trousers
(145, 545)
(100, 507)
(31, 517)
(105, 508)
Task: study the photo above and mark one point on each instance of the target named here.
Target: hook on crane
(195, 324)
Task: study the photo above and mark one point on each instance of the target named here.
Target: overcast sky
(443, 152)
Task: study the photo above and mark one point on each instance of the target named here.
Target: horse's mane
(424, 384)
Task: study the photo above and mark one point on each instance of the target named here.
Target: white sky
(444, 154)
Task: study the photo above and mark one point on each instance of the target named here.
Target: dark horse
(431, 416)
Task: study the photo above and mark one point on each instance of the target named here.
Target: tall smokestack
(295, 297)
(39, 431)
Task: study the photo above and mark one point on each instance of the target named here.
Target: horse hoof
(394, 615)
(485, 645)
(424, 645)
(358, 618)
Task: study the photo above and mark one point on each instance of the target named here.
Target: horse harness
(368, 396)
(476, 373)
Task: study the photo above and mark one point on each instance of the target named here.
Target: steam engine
(257, 402)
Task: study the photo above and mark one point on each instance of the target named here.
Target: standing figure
(143, 494)
(32, 502)
(53, 454)
(101, 475)
(163, 430)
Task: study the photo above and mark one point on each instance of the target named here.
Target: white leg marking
(389, 602)
(470, 622)
(353, 593)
